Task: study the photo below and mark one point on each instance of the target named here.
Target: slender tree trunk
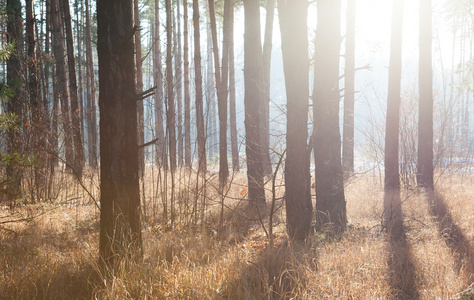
(59, 55)
(75, 116)
(348, 129)
(80, 88)
(179, 81)
(92, 114)
(296, 66)
(38, 136)
(158, 78)
(330, 202)
(170, 111)
(187, 97)
(13, 106)
(392, 174)
(201, 137)
(221, 87)
(232, 110)
(139, 68)
(253, 98)
(120, 233)
(425, 127)
(267, 59)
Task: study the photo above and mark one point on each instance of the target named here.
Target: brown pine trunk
(170, 111)
(425, 129)
(158, 79)
(232, 110)
(37, 129)
(253, 99)
(187, 97)
(267, 58)
(348, 129)
(80, 87)
(91, 111)
(201, 137)
(392, 174)
(120, 233)
(221, 88)
(13, 106)
(75, 117)
(179, 80)
(138, 60)
(330, 202)
(293, 25)
(59, 55)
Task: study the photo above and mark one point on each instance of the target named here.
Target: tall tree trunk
(425, 127)
(158, 78)
(348, 129)
(211, 115)
(221, 87)
(232, 110)
(294, 33)
(179, 81)
(38, 130)
(392, 174)
(13, 106)
(170, 111)
(330, 202)
(187, 97)
(201, 137)
(92, 114)
(120, 232)
(267, 60)
(253, 99)
(80, 87)
(138, 60)
(59, 55)
(75, 116)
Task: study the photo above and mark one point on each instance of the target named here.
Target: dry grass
(54, 256)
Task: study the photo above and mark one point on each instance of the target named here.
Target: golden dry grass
(54, 256)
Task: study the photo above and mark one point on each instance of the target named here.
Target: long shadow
(452, 234)
(401, 267)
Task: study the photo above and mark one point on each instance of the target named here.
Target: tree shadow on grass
(452, 234)
(400, 262)
(272, 273)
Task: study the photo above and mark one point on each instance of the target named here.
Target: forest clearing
(236, 149)
(54, 256)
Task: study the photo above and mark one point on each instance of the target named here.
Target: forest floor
(54, 254)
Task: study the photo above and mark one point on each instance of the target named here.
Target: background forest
(226, 149)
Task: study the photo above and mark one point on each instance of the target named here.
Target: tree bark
(254, 95)
(267, 60)
(232, 110)
(425, 129)
(120, 233)
(330, 202)
(348, 129)
(37, 128)
(75, 117)
(170, 111)
(221, 88)
(201, 137)
(91, 112)
(293, 25)
(139, 68)
(187, 97)
(179, 81)
(59, 55)
(158, 78)
(392, 174)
